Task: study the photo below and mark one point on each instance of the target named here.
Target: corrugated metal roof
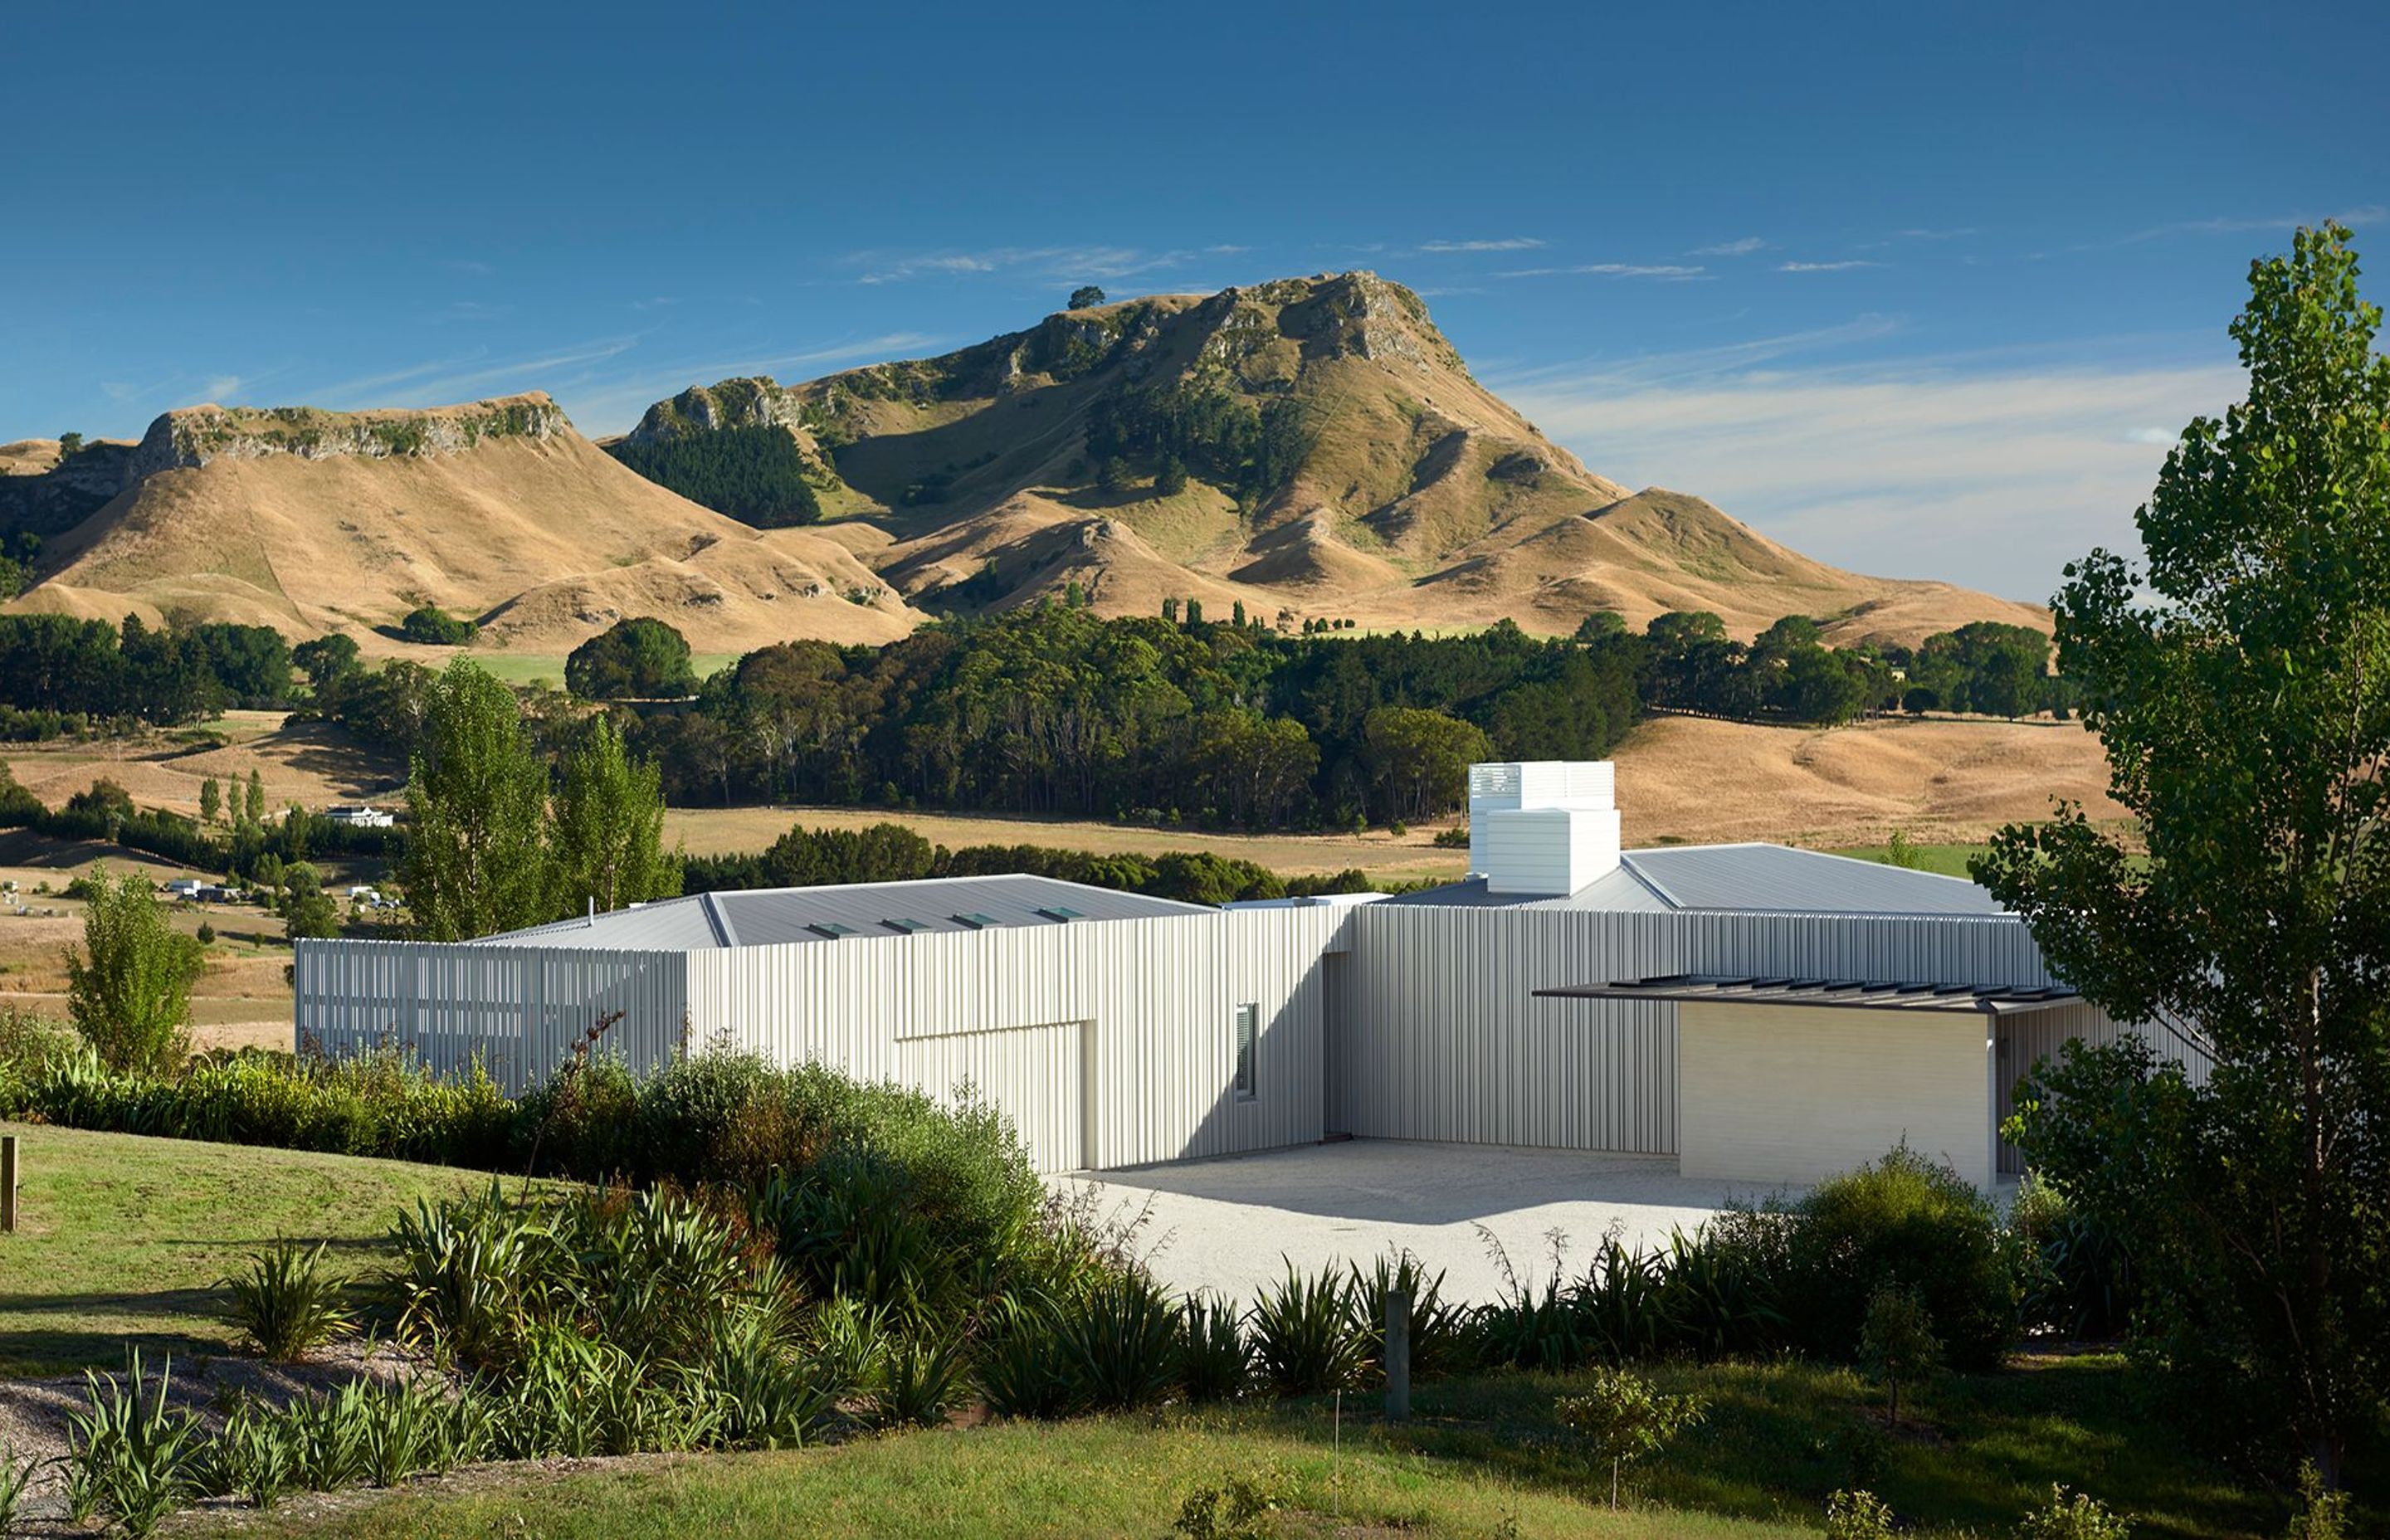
(1845, 994)
(1749, 878)
(767, 917)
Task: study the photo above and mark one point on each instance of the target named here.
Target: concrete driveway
(1232, 1224)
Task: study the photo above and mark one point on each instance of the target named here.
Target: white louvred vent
(1542, 828)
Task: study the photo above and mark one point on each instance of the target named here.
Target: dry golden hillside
(313, 521)
(1397, 490)
(1950, 779)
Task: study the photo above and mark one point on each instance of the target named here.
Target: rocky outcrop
(755, 401)
(194, 436)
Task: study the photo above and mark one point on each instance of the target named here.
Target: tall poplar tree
(607, 832)
(2241, 686)
(476, 858)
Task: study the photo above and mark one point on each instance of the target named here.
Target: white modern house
(1764, 1014)
(362, 815)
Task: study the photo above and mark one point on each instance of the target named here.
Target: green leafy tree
(129, 988)
(210, 800)
(1085, 297)
(1623, 1417)
(638, 659)
(1170, 477)
(70, 445)
(608, 838)
(476, 860)
(253, 802)
(1896, 1342)
(326, 660)
(2241, 689)
(1420, 759)
(310, 917)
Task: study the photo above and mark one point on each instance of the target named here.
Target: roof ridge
(1627, 863)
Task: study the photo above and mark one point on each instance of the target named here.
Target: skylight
(976, 920)
(1058, 912)
(830, 929)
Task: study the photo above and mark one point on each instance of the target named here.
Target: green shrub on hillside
(433, 627)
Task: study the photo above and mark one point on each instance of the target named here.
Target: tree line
(1226, 724)
(891, 853)
(86, 670)
(1168, 722)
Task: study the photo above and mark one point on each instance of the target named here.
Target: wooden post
(1398, 1356)
(7, 1182)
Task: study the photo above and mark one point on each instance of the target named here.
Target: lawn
(1480, 1457)
(1118, 1476)
(1948, 860)
(121, 1239)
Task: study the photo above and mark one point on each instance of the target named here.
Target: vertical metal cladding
(1447, 1041)
(1113, 1043)
(518, 1011)
(1152, 1003)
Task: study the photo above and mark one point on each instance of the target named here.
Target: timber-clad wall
(519, 1009)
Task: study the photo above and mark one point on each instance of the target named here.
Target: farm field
(241, 1000)
(312, 763)
(1409, 857)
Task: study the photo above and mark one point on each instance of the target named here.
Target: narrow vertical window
(1248, 1020)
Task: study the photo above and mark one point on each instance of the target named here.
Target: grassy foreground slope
(125, 1239)
(1480, 1459)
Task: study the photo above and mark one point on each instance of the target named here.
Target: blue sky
(1923, 289)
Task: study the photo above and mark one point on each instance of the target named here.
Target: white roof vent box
(1544, 827)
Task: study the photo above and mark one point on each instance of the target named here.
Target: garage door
(1036, 1077)
(1792, 1094)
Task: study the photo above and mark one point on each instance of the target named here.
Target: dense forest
(756, 475)
(59, 674)
(1222, 725)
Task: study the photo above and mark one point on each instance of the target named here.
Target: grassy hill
(1308, 447)
(310, 521)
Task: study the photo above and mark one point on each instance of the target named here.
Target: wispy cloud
(1742, 248)
(1060, 263)
(2356, 219)
(1610, 270)
(1987, 469)
(462, 264)
(440, 381)
(1511, 243)
(1843, 266)
(1917, 233)
(220, 388)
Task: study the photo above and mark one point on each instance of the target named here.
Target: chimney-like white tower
(1542, 830)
